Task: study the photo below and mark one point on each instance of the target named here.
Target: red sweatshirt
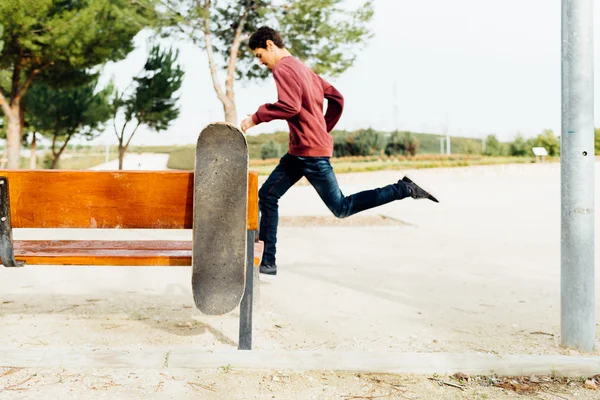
(300, 95)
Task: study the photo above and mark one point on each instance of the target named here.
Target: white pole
(577, 176)
(447, 135)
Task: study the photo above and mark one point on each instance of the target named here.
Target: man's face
(266, 56)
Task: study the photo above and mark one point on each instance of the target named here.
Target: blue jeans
(319, 173)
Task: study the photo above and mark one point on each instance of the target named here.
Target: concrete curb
(399, 363)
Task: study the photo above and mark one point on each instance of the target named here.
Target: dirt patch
(228, 383)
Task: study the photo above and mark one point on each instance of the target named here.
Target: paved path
(137, 161)
(479, 272)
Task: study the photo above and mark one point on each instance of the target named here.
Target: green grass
(428, 143)
(347, 166)
(156, 149)
(183, 159)
(78, 160)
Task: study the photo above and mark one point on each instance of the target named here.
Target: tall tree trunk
(13, 137)
(33, 157)
(56, 155)
(55, 161)
(123, 147)
(226, 97)
(13, 131)
(230, 112)
(122, 150)
(14, 115)
(230, 109)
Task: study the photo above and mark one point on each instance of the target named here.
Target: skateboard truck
(7, 254)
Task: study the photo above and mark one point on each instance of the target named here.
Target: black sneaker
(417, 192)
(268, 269)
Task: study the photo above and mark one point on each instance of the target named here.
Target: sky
(468, 67)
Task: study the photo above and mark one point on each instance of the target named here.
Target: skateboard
(220, 213)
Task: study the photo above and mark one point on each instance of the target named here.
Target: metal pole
(245, 341)
(577, 176)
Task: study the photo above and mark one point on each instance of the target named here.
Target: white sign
(540, 151)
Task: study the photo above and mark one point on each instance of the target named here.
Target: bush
(364, 142)
(256, 142)
(493, 147)
(548, 141)
(411, 144)
(368, 142)
(342, 144)
(469, 147)
(404, 143)
(271, 149)
(518, 147)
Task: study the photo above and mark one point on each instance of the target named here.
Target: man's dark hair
(260, 37)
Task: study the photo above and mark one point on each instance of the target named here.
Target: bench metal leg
(7, 254)
(245, 342)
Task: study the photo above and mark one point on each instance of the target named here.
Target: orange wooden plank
(252, 222)
(96, 246)
(105, 252)
(99, 252)
(150, 260)
(108, 199)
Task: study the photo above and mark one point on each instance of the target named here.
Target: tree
(342, 143)
(402, 143)
(493, 147)
(411, 144)
(469, 147)
(518, 147)
(318, 32)
(547, 140)
(61, 114)
(395, 145)
(44, 36)
(597, 140)
(152, 102)
(368, 142)
(270, 149)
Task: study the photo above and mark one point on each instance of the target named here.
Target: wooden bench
(112, 200)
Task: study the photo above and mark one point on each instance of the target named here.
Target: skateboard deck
(220, 213)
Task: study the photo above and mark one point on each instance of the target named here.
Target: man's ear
(270, 44)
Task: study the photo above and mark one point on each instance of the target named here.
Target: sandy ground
(226, 383)
(479, 272)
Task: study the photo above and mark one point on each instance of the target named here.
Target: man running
(301, 94)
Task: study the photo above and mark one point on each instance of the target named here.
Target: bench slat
(108, 199)
(131, 253)
(105, 252)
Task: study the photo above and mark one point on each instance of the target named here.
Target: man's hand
(247, 123)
